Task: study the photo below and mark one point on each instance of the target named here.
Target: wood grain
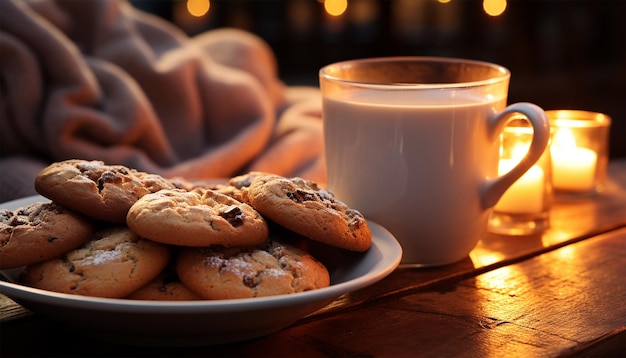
(550, 305)
(10, 310)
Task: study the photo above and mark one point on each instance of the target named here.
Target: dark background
(563, 54)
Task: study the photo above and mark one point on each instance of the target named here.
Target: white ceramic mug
(412, 143)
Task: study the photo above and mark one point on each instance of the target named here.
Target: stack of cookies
(111, 231)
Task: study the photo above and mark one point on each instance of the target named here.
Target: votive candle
(579, 151)
(524, 208)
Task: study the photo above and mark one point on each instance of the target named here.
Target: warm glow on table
(573, 168)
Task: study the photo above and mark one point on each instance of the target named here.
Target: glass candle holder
(579, 151)
(524, 209)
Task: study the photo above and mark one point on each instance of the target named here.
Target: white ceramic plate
(192, 323)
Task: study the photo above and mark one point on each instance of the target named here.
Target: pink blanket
(102, 80)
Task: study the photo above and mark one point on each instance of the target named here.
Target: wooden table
(562, 293)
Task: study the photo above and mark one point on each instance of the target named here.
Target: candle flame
(564, 138)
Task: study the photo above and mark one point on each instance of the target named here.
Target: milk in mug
(419, 153)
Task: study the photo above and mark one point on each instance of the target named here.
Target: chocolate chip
(300, 196)
(107, 177)
(233, 215)
(248, 281)
(51, 239)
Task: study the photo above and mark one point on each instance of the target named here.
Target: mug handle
(494, 188)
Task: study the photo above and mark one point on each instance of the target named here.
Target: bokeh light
(494, 7)
(335, 7)
(198, 8)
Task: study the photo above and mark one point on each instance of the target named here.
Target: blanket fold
(102, 80)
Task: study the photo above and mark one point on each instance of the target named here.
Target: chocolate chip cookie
(196, 218)
(101, 191)
(165, 287)
(303, 207)
(113, 263)
(238, 272)
(39, 232)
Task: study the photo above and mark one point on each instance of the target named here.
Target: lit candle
(525, 196)
(573, 168)
(524, 207)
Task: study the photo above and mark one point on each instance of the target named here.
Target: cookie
(165, 287)
(101, 191)
(272, 269)
(244, 180)
(39, 232)
(114, 263)
(196, 218)
(201, 186)
(303, 207)
(225, 189)
(190, 185)
(231, 187)
(237, 183)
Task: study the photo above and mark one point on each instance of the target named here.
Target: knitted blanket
(102, 80)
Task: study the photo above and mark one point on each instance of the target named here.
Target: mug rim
(505, 73)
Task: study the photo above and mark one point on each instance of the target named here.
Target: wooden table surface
(562, 293)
